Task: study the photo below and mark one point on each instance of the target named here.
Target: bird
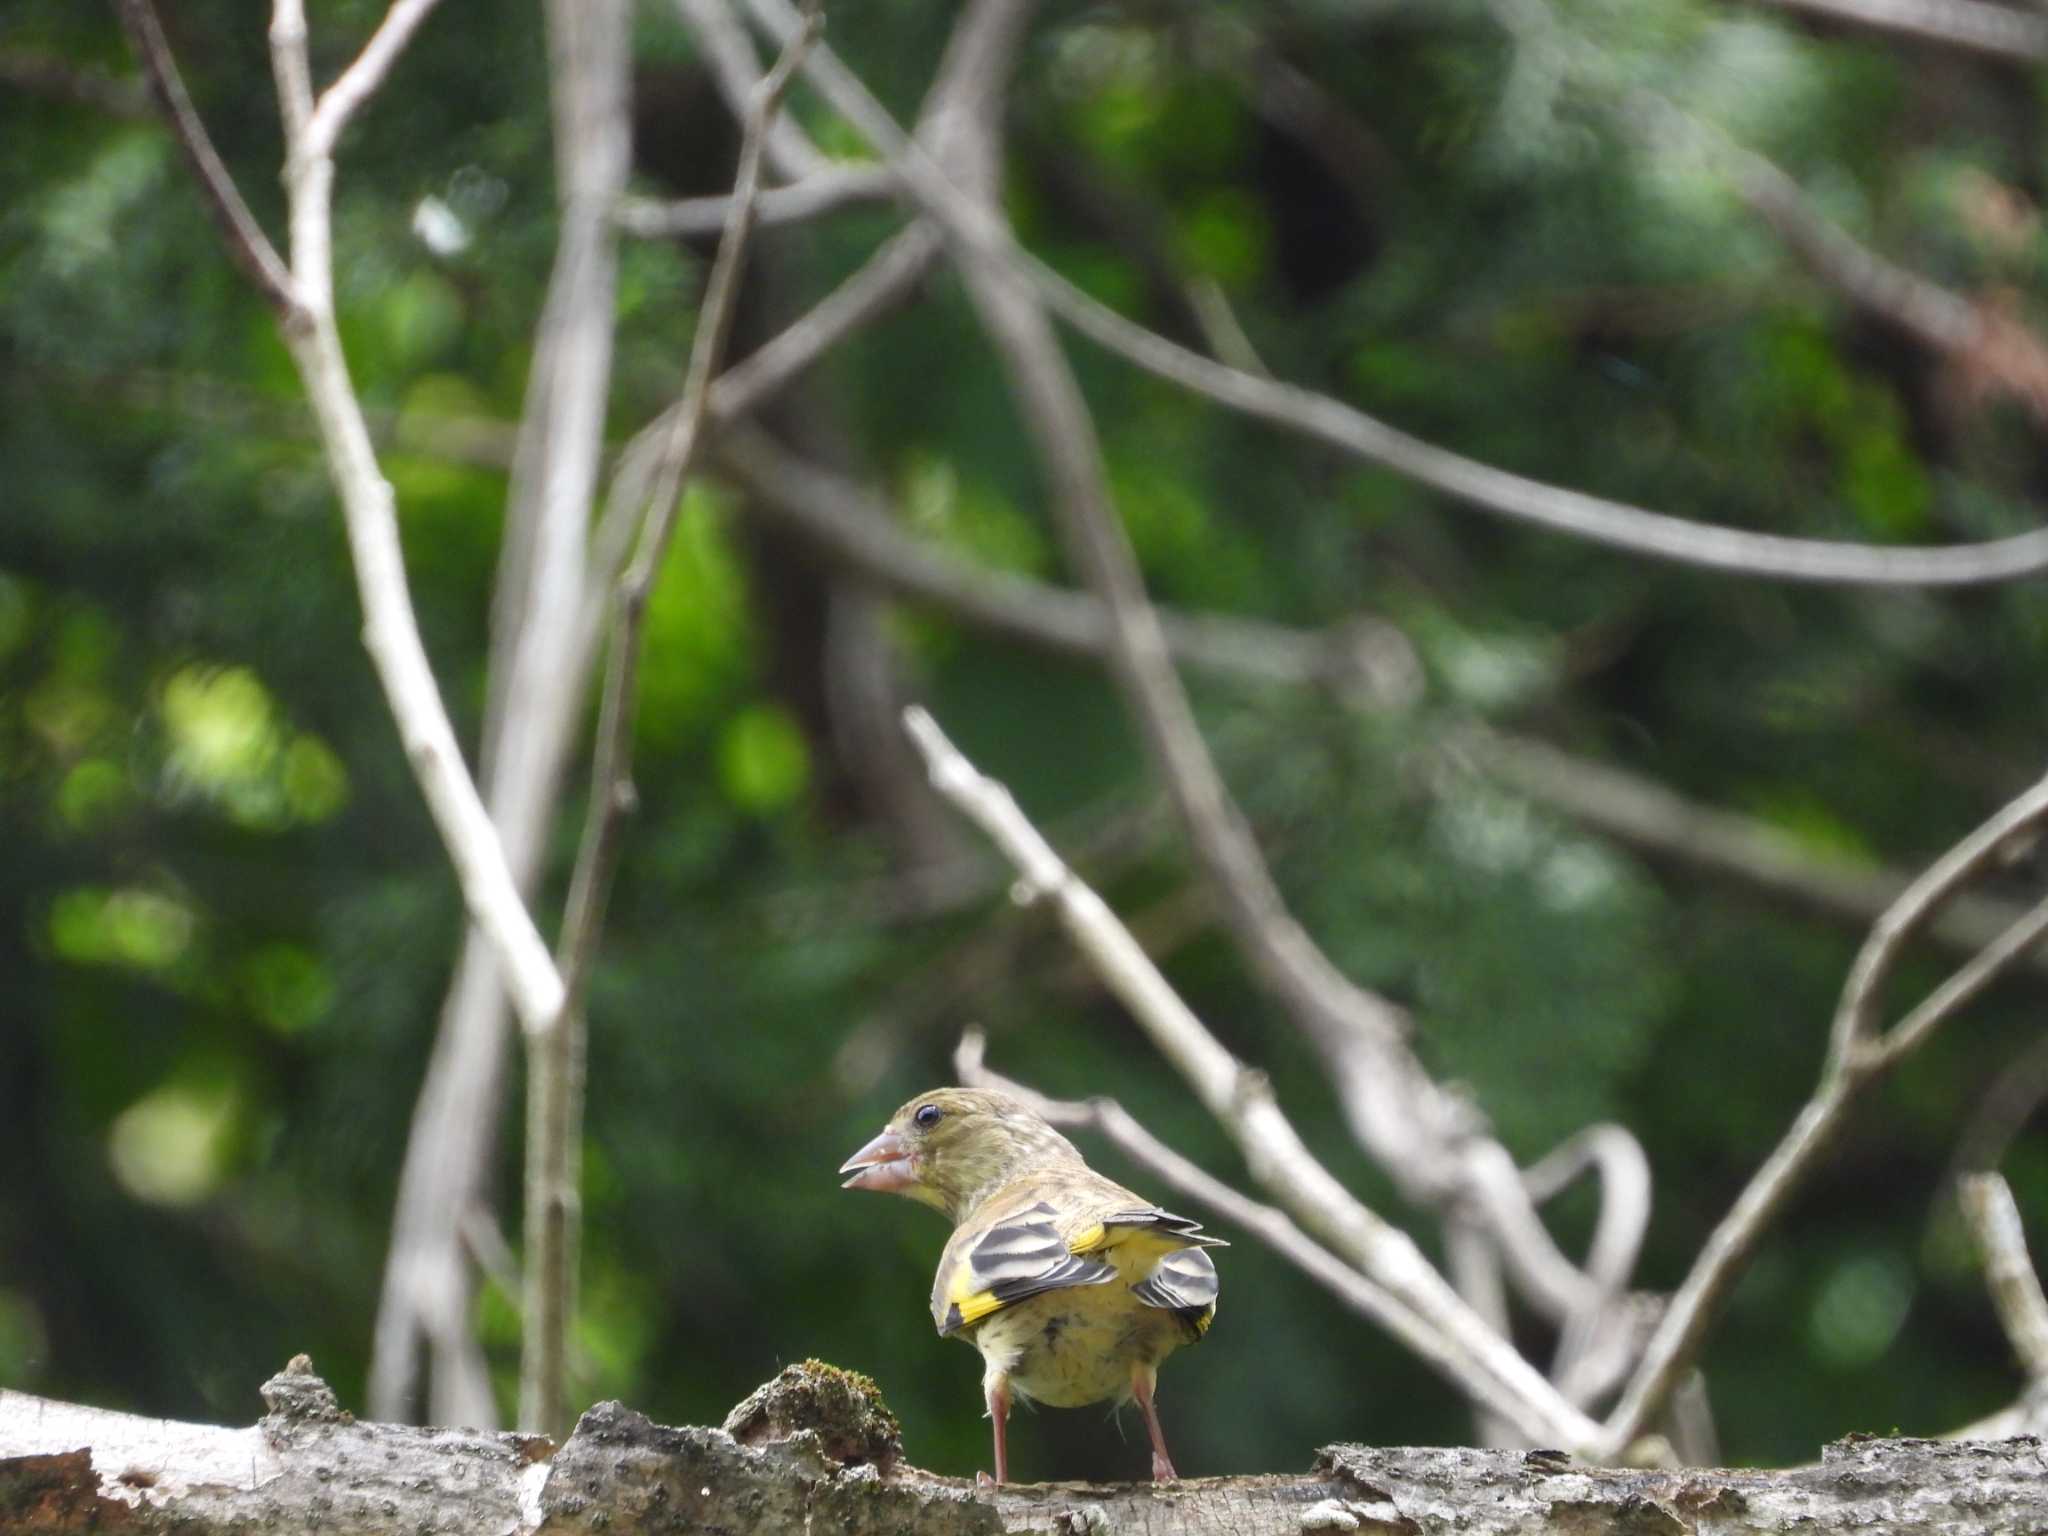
(1073, 1288)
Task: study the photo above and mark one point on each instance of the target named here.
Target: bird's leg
(1143, 1379)
(998, 1391)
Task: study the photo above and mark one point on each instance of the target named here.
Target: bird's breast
(1072, 1347)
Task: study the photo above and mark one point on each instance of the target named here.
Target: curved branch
(2015, 1288)
(246, 243)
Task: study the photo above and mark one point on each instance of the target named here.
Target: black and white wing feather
(1182, 1282)
(1019, 1256)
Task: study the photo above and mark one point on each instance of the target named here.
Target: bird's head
(950, 1147)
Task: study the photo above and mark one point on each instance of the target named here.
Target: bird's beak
(883, 1164)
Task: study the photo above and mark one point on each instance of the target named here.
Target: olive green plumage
(1073, 1288)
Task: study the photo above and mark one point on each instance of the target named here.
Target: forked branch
(1858, 1054)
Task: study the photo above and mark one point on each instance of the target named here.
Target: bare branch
(1058, 422)
(737, 69)
(426, 1294)
(425, 1283)
(1999, 31)
(1856, 1023)
(854, 529)
(391, 633)
(1487, 1366)
(1618, 525)
(1589, 1330)
(825, 192)
(361, 80)
(1472, 1260)
(1921, 308)
(1956, 993)
(611, 772)
(884, 280)
(2002, 1111)
(1995, 345)
(1857, 1056)
(540, 603)
(555, 1081)
(2015, 1288)
(247, 245)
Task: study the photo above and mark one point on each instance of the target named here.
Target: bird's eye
(927, 1116)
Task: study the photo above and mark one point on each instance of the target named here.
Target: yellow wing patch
(1022, 1255)
(970, 1305)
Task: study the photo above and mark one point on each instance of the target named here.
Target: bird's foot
(983, 1480)
(1162, 1469)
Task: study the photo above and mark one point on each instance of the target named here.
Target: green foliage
(226, 925)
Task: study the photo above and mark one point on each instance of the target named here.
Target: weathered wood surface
(307, 1466)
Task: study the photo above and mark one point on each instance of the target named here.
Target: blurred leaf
(143, 929)
(171, 1146)
(763, 762)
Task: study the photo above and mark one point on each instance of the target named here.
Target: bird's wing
(1163, 1256)
(1146, 1225)
(1182, 1282)
(1016, 1256)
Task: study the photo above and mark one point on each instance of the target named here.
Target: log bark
(798, 1458)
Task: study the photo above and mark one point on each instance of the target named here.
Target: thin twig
(1618, 525)
(884, 280)
(539, 605)
(2002, 1110)
(847, 523)
(737, 71)
(1487, 1367)
(2015, 1288)
(612, 771)
(1856, 1026)
(1472, 1263)
(1614, 1154)
(247, 245)
(1964, 986)
(816, 195)
(365, 77)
